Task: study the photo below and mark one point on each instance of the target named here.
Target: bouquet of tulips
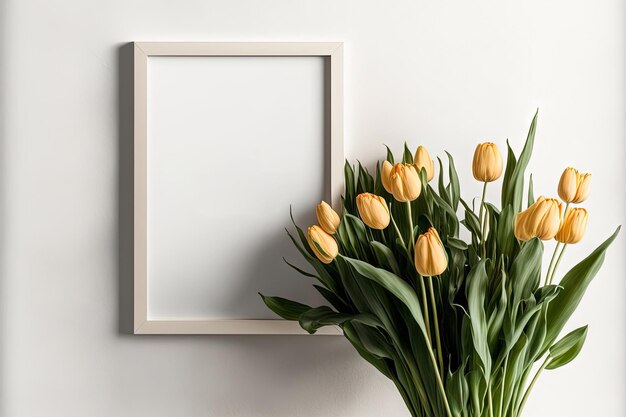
(462, 327)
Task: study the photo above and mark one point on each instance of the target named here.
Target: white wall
(443, 74)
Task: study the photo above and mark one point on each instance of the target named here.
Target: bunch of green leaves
(495, 318)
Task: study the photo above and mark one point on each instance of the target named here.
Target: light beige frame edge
(333, 51)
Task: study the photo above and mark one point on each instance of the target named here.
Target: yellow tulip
(421, 160)
(574, 186)
(487, 163)
(520, 226)
(373, 210)
(325, 241)
(430, 256)
(405, 182)
(327, 217)
(542, 220)
(573, 227)
(385, 175)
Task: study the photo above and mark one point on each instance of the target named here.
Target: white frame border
(333, 51)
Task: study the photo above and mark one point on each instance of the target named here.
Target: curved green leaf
(392, 283)
(317, 317)
(574, 285)
(287, 309)
(565, 350)
(515, 184)
(385, 257)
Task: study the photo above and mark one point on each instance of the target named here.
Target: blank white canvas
(232, 142)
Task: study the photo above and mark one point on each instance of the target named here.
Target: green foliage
(495, 319)
(565, 350)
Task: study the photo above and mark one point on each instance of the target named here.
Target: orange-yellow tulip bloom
(325, 241)
(373, 210)
(421, 160)
(385, 175)
(487, 163)
(574, 186)
(405, 182)
(573, 226)
(327, 217)
(430, 256)
(542, 220)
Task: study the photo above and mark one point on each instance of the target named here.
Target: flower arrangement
(458, 326)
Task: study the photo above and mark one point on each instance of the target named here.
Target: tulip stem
(410, 215)
(556, 249)
(480, 216)
(436, 322)
(558, 261)
(490, 399)
(532, 384)
(396, 227)
(426, 315)
(502, 385)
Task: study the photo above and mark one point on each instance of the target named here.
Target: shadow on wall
(269, 275)
(125, 188)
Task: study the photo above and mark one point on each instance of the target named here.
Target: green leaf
(356, 234)
(515, 184)
(497, 317)
(565, 350)
(376, 360)
(379, 189)
(508, 172)
(471, 222)
(454, 182)
(476, 290)
(301, 271)
(392, 283)
(332, 298)
(389, 155)
(350, 188)
(314, 318)
(574, 285)
(531, 195)
(457, 390)
(453, 222)
(365, 182)
(385, 257)
(456, 243)
(515, 368)
(504, 235)
(442, 188)
(407, 157)
(525, 272)
(287, 309)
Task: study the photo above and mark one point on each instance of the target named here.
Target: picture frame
(332, 54)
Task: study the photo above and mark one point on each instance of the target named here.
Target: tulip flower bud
(430, 256)
(520, 226)
(542, 220)
(487, 163)
(405, 182)
(423, 160)
(373, 210)
(325, 241)
(327, 218)
(573, 227)
(385, 175)
(574, 186)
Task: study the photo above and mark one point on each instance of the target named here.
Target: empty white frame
(226, 135)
